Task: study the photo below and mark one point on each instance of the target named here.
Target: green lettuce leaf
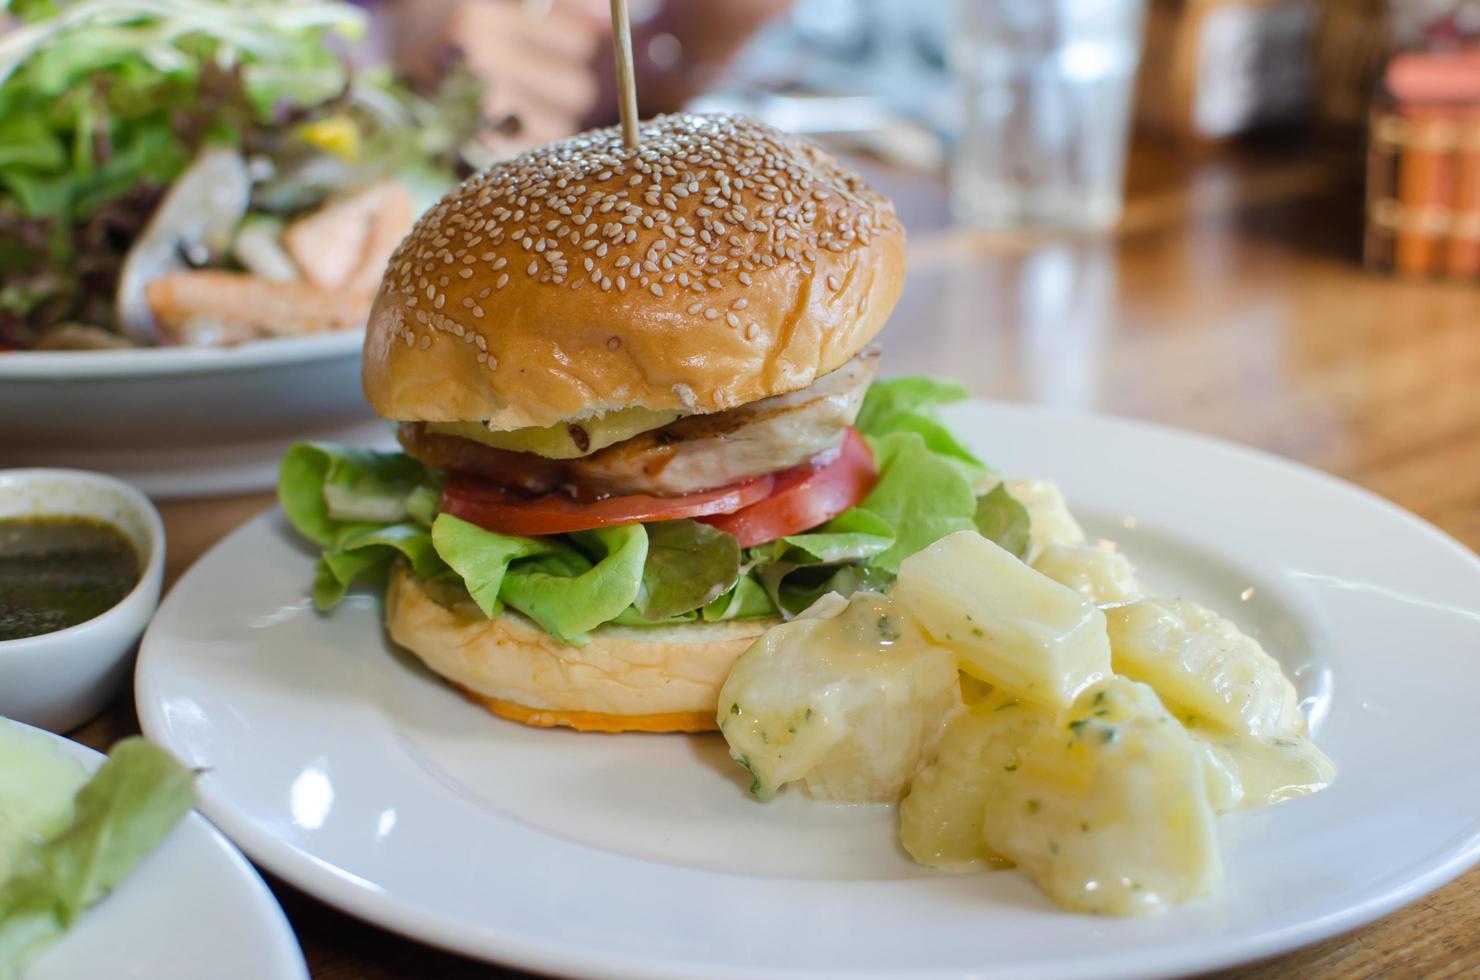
(36, 793)
(118, 818)
(747, 600)
(908, 405)
(792, 588)
(688, 566)
(323, 487)
(631, 617)
(921, 494)
(857, 534)
(1000, 517)
(365, 551)
(482, 557)
(570, 594)
(887, 400)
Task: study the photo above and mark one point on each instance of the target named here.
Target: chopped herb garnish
(755, 780)
(888, 632)
(977, 631)
(1033, 806)
(735, 708)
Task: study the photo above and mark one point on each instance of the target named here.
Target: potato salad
(1045, 713)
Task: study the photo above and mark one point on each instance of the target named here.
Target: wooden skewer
(626, 80)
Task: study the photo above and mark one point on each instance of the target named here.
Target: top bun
(719, 263)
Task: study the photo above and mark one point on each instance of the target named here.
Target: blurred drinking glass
(1047, 90)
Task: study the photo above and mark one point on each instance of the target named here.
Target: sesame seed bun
(647, 679)
(720, 263)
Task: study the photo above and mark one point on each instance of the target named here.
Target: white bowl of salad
(193, 228)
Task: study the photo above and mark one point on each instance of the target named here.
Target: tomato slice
(805, 496)
(494, 508)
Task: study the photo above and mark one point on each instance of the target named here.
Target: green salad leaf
(921, 494)
(747, 600)
(36, 793)
(365, 551)
(1001, 517)
(323, 488)
(482, 557)
(117, 818)
(104, 103)
(570, 594)
(688, 566)
(857, 534)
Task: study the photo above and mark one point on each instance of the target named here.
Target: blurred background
(1070, 117)
(1241, 216)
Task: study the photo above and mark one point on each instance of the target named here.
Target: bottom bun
(643, 679)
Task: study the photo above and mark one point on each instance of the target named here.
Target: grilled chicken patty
(698, 452)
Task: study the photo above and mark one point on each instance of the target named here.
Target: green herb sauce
(56, 572)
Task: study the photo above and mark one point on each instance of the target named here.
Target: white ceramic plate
(340, 765)
(184, 422)
(193, 910)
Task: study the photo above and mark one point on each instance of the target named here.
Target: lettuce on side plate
(368, 509)
(67, 840)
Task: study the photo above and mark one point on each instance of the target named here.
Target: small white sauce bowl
(61, 679)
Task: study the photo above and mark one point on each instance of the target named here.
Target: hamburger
(635, 394)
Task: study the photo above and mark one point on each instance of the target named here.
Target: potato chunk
(1108, 811)
(1098, 574)
(940, 821)
(851, 705)
(1265, 771)
(1009, 625)
(1201, 665)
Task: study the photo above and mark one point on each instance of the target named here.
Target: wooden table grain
(1230, 301)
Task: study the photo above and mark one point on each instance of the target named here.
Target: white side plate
(342, 766)
(193, 910)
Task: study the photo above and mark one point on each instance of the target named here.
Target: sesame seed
(705, 201)
(612, 343)
(711, 314)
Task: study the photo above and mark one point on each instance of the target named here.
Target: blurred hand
(548, 64)
(536, 58)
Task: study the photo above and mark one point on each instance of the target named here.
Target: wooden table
(1231, 302)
